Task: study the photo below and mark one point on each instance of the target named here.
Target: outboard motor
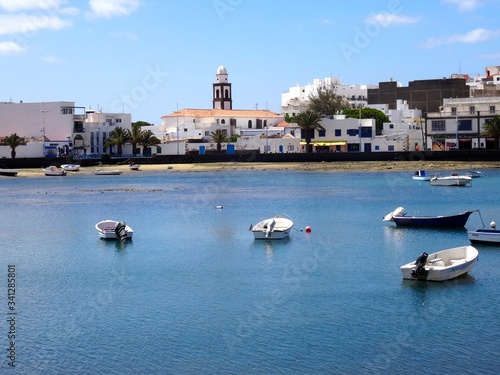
(420, 263)
(121, 231)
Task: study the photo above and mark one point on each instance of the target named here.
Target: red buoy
(308, 229)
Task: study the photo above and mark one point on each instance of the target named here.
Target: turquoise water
(194, 293)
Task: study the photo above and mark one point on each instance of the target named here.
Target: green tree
(13, 141)
(308, 121)
(134, 135)
(327, 103)
(117, 137)
(148, 139)
(492, 129)
(379, 116)
(219, 136)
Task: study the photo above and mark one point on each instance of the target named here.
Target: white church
(189, 130)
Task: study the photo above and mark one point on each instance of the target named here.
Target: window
(222, 121)
(118, 120)
(465, 125)
(352, 132)
(391, 126)
(438, 126)
(249, 124)
(390, 148)
(366, 132)
(303, 133)
(338, 132)
(377, 148)
(472, 110)
(453, 111)
(185, 130)
(321, 133)
(67, 111)
(492, 109)
(207, 133)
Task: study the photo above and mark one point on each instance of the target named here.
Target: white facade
(460, 123)
(58, 128)
(296, 100)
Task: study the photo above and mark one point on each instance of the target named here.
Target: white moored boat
(134, 167)
(485, 235)
(453, 180)
(114, 230)
(420, 175)
(54, 171)
(443, 265)
(107, 172)
(71, 167)
(275, 228)
(8, 172)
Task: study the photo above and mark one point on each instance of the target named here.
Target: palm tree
(148, 139)
(308, 121)
(117, 137)
(219, 136)
(134, 135)
(492, 129)
(13, 141)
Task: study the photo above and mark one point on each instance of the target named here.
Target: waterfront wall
(464, 156)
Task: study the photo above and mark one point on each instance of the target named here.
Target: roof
(234, 113)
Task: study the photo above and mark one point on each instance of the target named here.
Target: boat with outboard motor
(442, 265)
(113, 230)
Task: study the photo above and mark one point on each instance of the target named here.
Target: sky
(151, 57)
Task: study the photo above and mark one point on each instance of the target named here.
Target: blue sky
(148, 57)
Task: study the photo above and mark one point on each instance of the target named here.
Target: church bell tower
(222, 98)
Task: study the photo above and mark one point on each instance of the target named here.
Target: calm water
(194, 293)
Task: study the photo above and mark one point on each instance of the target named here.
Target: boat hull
(52, 171)
(276, 228)
(71, 167)
(110, 172)
(451, 181)
(106, 230)
(8, 172)
(443, 265)
(451, 221)
(485, 236)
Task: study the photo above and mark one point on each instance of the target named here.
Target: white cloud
(17, 5)
(23, 23)
(111, 8)
(10, 48)
(388, 19)
(474, 36)
(464, 5)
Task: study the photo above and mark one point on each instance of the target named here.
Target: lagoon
(195, 293)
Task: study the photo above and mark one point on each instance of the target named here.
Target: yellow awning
(332, 143)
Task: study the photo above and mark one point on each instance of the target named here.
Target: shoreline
(360, 166)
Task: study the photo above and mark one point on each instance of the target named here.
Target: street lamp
(456, 119)
(267, 149)
(42, 130)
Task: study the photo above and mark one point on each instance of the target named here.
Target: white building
(405, 129)
(58, 128)
(296, 100)
(460, 123)
(190, 129)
